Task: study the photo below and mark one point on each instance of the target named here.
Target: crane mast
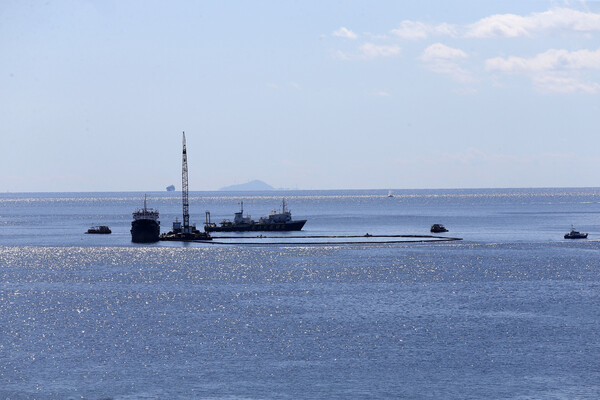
(184, 190)
(182, 230)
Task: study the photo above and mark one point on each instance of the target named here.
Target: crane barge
(183, 231)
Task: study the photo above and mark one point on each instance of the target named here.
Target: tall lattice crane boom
(184, 189)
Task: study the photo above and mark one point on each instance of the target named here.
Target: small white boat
(390, 194)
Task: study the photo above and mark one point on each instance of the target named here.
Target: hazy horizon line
(314, 190)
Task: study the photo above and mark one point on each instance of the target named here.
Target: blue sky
(302, 94)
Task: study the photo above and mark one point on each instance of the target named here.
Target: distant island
(252, 185)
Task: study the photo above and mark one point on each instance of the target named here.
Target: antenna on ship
(184, 189)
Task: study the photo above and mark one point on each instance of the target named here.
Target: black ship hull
(145, 231)
(281, 226)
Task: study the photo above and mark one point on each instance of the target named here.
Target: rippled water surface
(509, 312)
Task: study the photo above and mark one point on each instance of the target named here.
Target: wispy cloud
(558, 19)
(370, 50)
(414, 30)
(551, 60)
(443, 59)
(344, 32)
(512, 25)
(552, 71)
(555, 83)
(549, 71)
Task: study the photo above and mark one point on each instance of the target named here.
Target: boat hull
(438, 230)
(282, 226)
(578, 236)
(145, 231)
(185, 237)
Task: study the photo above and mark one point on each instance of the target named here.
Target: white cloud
(370, 50)
(554, 71)
(551, 60)
(443, 59)
(512, 25)
(555, 83)
(550, 71)
(345, 33)
(419, 30)
(439, 51)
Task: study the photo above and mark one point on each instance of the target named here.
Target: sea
(511, 311)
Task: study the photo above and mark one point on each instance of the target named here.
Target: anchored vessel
(145, 227)
(437, 228)
(99, 230)
(575, 234)
(276, 221)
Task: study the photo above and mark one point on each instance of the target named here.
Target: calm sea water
(510, 312)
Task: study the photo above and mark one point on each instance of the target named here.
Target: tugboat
(145, 227)
(438, 228)
(575, 234)
(275, 221)
(99, 230)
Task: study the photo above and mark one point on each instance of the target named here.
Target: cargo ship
(145, 227)
(275, 221)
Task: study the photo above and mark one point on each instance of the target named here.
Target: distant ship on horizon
(171, 188)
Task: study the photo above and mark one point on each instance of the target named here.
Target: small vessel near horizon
(438, 228)
(275, 221)
(101, 229)
(390, 194)
(171, 188)
(575, 234)
(145, 227)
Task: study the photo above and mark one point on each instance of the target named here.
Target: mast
(184, 189)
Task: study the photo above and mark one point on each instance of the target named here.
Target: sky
(95, 95)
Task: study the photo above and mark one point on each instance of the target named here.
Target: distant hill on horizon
(252, 185)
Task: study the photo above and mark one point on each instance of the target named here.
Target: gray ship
(275, 221)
